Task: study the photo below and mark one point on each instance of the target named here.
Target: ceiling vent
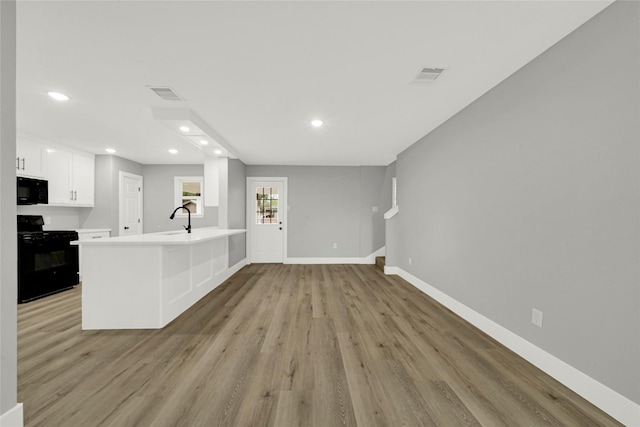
(429, 74)
(166, 93)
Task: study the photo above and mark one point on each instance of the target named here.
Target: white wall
(530, 197)
(8, 248)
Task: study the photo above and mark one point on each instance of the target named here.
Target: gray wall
(332, 204)
(159, 202)
(8, 255)
(237, 211)
(373, 194)
(56, 217)
(530, 197)
(392, 224)
(106, 210)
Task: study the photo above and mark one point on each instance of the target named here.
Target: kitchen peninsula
(145, 281)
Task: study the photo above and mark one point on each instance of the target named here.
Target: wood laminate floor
(286, 345)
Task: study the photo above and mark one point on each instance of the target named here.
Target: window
(266, 205)
(188, 192)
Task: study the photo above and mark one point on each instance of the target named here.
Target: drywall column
(10, 410)
(236, 209)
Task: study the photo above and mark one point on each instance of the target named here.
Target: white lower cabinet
(89, 234)
(71, 178)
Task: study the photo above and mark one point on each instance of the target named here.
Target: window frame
(178, 188)
(270, 198)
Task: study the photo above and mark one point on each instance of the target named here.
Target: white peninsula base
(146, 281)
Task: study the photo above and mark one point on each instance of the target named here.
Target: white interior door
(130, 204)
(266, 217)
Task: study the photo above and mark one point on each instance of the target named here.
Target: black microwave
(32, 191)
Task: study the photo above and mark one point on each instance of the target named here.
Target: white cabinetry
(83, 177)
(31, 159)
(90, 234)
(71, 178)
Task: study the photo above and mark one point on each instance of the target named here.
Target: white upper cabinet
(60, 187)
(71, 178)
(83, 179)
(31, 159)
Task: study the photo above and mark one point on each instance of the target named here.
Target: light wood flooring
(285, 345)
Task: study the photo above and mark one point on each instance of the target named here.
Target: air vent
(166, 93)
(429, 74)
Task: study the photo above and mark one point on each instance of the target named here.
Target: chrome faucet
(186, 227)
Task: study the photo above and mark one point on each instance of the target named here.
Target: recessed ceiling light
(316, 123)
(58, 96)
(110, 150)
(184, 128)
(173, 151)
(218, 152)
(203, 142)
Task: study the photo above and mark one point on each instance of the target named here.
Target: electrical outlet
(536, 317)
(409, 260)
(374, 209)
(47, 220)
(335, 246)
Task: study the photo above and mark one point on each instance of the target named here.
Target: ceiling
(257, 73)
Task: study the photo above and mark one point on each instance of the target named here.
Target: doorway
(130, 204)
(266, 219)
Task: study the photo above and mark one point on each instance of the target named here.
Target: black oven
(32, 191)
(47, 262)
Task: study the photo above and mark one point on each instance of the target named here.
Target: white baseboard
(369, 259)
(13, 417)
(389, 269)
(608, 400)
(234, 269)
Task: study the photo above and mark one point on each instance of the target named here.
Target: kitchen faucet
(186, 227)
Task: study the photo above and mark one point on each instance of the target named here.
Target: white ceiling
(257, 72)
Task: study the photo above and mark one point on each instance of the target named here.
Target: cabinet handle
(97, 237)
(71, 194)
(75, 195)
(18, 163)
(23, 162)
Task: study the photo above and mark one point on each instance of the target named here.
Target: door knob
(126, 228)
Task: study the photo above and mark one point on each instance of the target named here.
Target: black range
(47, 262)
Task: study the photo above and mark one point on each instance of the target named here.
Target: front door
(267, 219)
(130, 204)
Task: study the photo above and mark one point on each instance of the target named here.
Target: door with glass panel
(267, 213)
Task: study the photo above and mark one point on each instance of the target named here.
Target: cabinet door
(60, 189)
(31, 159)
(83, 179)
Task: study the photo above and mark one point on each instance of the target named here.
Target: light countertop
(92, 230)
(175, 237)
